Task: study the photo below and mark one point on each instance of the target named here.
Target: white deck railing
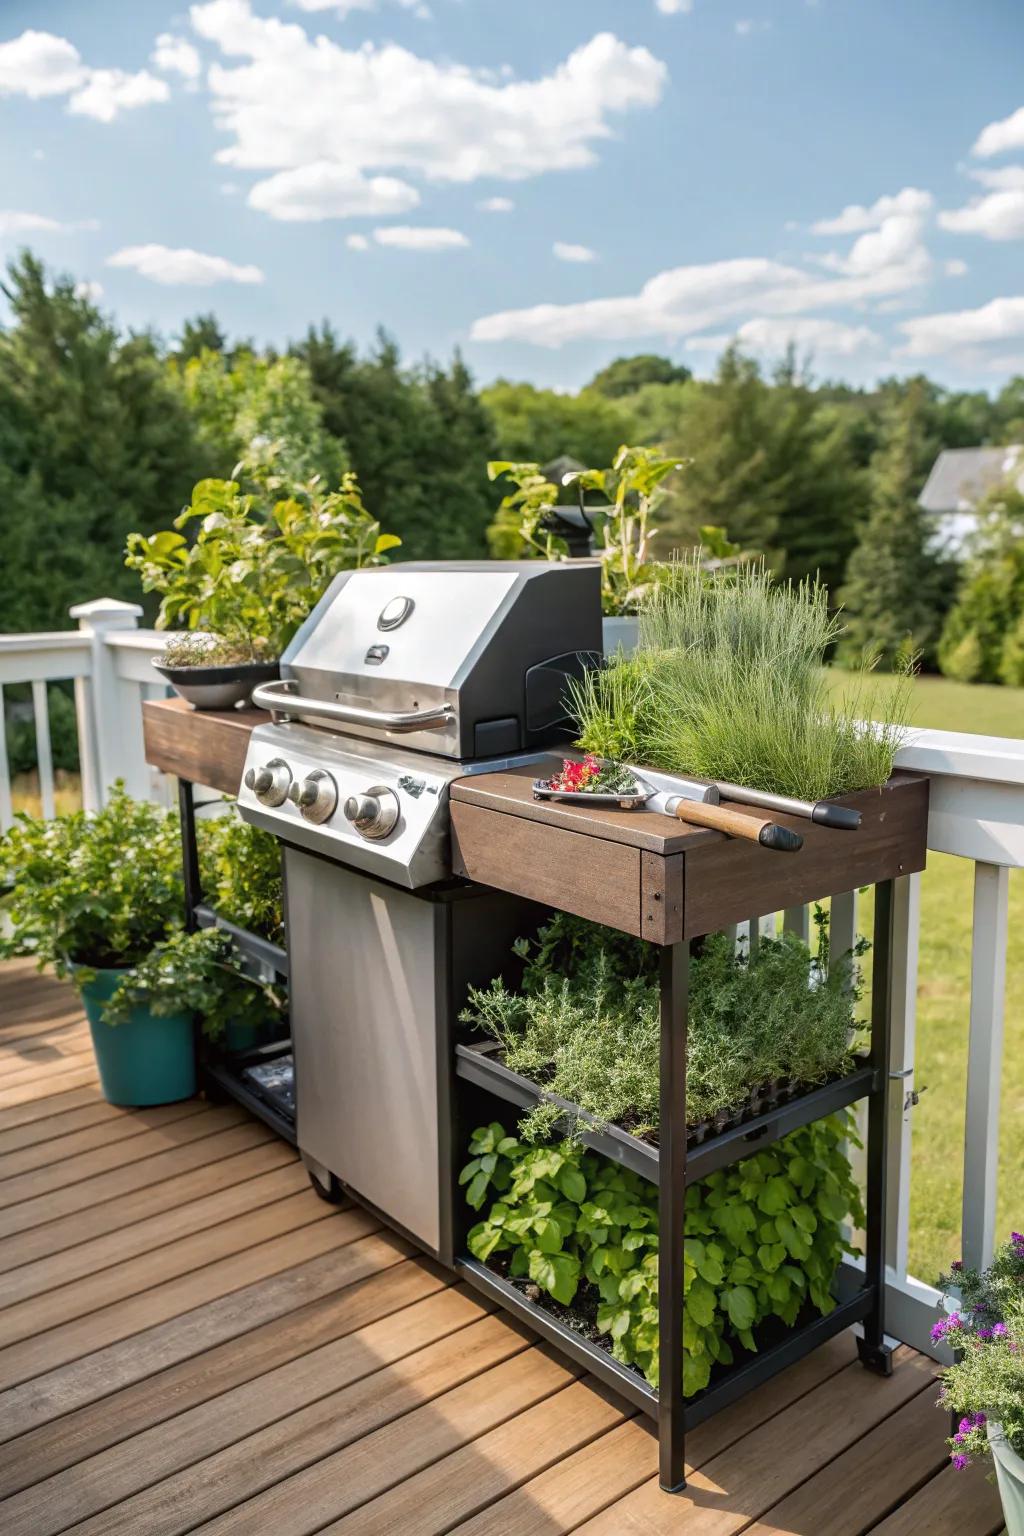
(977, 813)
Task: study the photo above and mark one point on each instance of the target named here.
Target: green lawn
(943, 1005)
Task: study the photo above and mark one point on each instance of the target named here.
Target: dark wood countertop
(207, 746)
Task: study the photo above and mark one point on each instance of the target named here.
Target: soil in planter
(581, 1319)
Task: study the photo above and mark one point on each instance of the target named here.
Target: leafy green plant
(586, 1022)
(195, 973)
(262, 558)
(764, 1238)
(240, 873)
(729, 683)
(95, 890)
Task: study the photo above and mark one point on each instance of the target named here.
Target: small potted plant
(265, 552)
(100, 898)
(985, 1386)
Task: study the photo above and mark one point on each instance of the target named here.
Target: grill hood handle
(282, 700)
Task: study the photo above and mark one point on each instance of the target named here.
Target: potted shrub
(100, 898)
(265, 552)
(985, 1386)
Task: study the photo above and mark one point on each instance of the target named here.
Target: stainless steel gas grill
(402, 680)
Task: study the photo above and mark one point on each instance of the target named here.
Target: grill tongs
(284, 702)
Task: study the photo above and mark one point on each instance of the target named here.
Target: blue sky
(848, 173)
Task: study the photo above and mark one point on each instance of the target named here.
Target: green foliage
(540, 425)
(983, 637)
(243, 402)
(196, 973)
(93, 442)
(97, 890)
(632, 489)
(418, 438)
(196, 648)
(764, 1238)
(728, 683)
(240, 874)
(896, 585)
(625, 375)
(987, 1333)
(262, 558)
(586, 1022)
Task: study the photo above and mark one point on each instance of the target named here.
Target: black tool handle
(781, 839)
(839, 817)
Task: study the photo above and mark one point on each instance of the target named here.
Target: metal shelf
(251, 945)
(730, 1385)
(477, 1065)
(227, 1079)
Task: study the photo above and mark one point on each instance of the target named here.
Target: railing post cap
(106, 613)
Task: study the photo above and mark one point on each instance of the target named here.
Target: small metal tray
(625, 802)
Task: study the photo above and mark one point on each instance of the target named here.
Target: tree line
(104, 431)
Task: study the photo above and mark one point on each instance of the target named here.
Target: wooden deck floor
(191, 1341)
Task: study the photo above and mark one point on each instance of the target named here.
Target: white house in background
(960, 478)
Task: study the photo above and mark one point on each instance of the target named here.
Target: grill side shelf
(478, 1065)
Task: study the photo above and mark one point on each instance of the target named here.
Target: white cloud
(344, 8)
(296, 101)
(830, 337)
(107, 92)
(496, 205)
(416, 237)
(326, 190)
(40, 64)
(855, 217)
(89, 290)
(687, 300)
(14, 221)
(746, 27)
(674, 7)
(162, 264)
(1007, 133)
(566, 252)
(955, 267)
(957, 330)
(997, 216)
(176, 56)
(1000, 178)
(357, 243)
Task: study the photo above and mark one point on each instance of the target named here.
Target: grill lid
(463, 659)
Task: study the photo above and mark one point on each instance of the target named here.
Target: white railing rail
(107, 658)
(976, 812)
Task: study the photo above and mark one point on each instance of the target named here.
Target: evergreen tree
(534, 426)
(897, 586)
(93, 443)
(203, 334)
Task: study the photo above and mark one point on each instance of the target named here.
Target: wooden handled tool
(719, 818)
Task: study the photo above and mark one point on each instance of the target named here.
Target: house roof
(961, 477)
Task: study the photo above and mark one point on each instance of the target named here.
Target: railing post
(985, 1060)
(109, 708)
(906, 934)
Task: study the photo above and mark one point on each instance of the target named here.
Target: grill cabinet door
(364, 1017)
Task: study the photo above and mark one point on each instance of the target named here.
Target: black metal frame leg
(675, 980)
(872, 1348)
(189, 853)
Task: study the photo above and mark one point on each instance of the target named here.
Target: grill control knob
(270, 783)
(374, 813)
(316, 797)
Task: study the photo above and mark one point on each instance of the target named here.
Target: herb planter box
(664, 881)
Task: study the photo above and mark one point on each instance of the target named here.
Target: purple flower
(960, 1438)
(939, 1331)
(956, 1266)
(966, 1425)
(1018, 1238)
(979, 1420)
(960, 1461)
(999, 1331)
(984, 1333)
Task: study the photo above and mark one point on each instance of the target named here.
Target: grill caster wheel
(332, 1191)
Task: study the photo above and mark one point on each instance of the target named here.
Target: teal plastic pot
(242, 1037)
(148, 1060)
(1010, 1477)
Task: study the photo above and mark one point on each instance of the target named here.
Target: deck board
(191, 1341)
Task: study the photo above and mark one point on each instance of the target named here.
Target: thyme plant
(585, 1023)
